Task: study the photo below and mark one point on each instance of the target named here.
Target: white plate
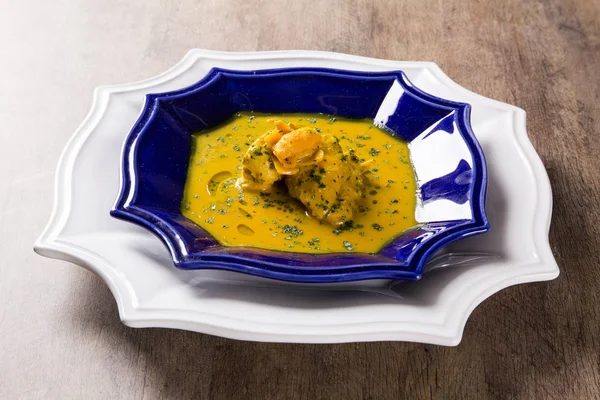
(150, 292)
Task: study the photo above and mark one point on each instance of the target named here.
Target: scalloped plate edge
(449, 333)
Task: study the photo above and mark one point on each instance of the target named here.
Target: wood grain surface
(60, 334)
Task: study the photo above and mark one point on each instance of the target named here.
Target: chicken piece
(282, 126)
(328, 182)
(258, 171)
(331, 189)
(274, 135)
(298, 147)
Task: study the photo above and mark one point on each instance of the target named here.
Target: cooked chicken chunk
(328, 182)
(298, 147)
(331, 189)
(258, 171)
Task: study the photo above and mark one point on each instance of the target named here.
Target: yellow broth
(273, 220)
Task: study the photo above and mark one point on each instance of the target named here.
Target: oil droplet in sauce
(216, 182)
(244, 213)
(245, 230)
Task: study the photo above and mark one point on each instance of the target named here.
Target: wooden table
(60, 334)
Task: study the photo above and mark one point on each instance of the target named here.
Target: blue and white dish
(149, 292)
(448, 161)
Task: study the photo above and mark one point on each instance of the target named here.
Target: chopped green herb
(377, 227)
(346, 226)
(292, 230)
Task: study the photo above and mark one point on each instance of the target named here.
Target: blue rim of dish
(411, 269)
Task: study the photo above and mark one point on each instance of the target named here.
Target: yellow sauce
(276, 221)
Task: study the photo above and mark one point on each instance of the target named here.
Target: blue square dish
(448, 161)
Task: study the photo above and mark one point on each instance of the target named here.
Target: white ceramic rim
(51, 244)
